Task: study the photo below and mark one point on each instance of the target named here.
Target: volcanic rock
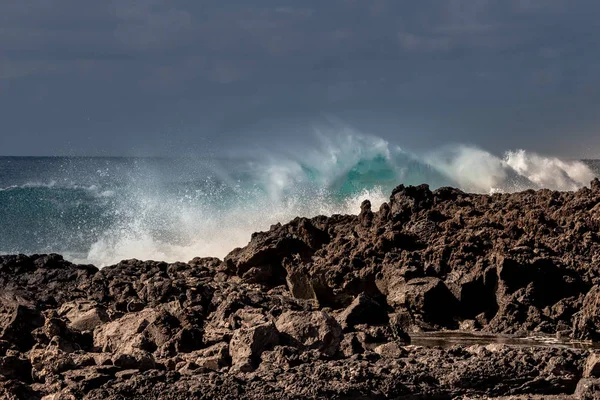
(586, 324)
(247, 345)
(311, 330)
(18, 319)
(392, 350)
(324, 308)
(588, 389)
(84, 315)
(592, 366)
(363, 310)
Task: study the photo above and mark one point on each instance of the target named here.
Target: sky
(158, 77)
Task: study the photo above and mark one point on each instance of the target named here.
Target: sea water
(104, 209)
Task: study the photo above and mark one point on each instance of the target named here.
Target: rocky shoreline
(325, 308)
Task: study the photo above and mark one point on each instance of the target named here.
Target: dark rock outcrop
(324, 308)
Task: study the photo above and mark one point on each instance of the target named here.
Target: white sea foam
(549, 172)
(158, 215)
(179, 228)
(53, 184)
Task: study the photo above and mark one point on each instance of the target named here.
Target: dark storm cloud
(162, 76)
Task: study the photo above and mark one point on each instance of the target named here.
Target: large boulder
(127, 332)
(247, 345)
(84, 315)
(586, 323)
(18, 318)
(49, 280)
(587, 389)
(314, 330)
(261, 261)
(428, 299)
(134, 337)
(592, 366)
(363, 310)
(16, 390)
(214, 357)
(14, 365)
(48, 362)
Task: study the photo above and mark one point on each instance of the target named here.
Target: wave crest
(189, 209)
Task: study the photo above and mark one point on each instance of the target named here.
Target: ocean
(101, 210)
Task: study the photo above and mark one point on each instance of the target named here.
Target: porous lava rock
(325, 307)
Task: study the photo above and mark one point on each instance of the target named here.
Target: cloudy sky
(158, 77)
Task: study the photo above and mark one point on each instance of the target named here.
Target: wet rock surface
(325, 308)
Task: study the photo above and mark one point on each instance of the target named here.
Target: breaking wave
(103, 210)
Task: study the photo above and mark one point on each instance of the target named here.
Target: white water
(141, 219)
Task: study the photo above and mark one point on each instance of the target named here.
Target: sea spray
(103, 210)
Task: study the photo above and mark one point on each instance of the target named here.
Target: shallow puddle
(450, 338)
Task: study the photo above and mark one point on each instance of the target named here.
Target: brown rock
(148, 330)
(363, 310)
(586, 323)
(15, 366)
(84, 315)
(134, 359)
(300, 285)
(18, 318)
(390, 350)
(353, 343)
(400, 324)
(247, 345)
(429, 298)
(592, 366)
(214, 358)
(469, 325)
(84, 380)
(311, 330)
(588, 389)
(48, 362)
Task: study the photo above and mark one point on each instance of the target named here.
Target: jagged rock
(469, 325)
(15, 390)
(363, 310)
(311, 330)
(353, 343)
(428, 298)
(48, 280)
(285, 357)
(592, 366)
(134, 359)
(391, 350)
(267, 250)
(48, 362)
(84, 315)
(366, 216)
(247, 317)
(14, 365)
(18, 318)
(300, 285)
(214, 358)
(400, 323)
(126, 332)
(149, 330)
(524, 263)
(588, 389)
(85, 380)
(247, 345)
(55, 332)
(375, 335)
(586, 324)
